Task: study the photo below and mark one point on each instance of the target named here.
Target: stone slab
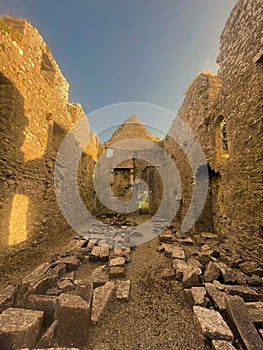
(101, 296)
(195, 296)
(212, 272)
(19, 328)
(217, 296)
(73, 315)
(212, 324)
(120, 261)
(117, 272)
(123, 290)
(256, 313)
(248, 294)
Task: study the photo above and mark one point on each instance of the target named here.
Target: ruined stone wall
(199, 98)
(35, 115)
(233, 98)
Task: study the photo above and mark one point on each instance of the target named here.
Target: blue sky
(114, 51)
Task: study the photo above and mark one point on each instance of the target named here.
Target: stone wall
(131, 171)
(35, 115)
(225, 113)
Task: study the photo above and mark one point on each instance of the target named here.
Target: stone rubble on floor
(225, 301)
(54, 297)
(51, 308)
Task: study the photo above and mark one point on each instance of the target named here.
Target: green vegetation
(5, 27)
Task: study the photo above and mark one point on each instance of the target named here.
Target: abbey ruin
(68, 290)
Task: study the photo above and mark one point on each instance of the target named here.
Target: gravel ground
(156, 317)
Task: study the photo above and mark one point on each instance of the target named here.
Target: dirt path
(156, 317)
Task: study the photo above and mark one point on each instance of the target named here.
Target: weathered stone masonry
(35, 116)
(234, 97)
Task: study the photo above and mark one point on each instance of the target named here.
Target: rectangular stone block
(123, 290)
(19, 328)
(73, 315)
(212, 324)
(217, 297)
(256, 313)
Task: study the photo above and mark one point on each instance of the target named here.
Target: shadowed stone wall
(35, 115)
(225, 113)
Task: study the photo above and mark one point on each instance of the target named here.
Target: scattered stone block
(101, 296)
(120, 261)
(7, 297)
(255, 311)
(255, 280)
(47, 338)
(212, 324)
(179, 267)
(66, 286)
(166, 236)
(186, 241)
(195, 264)
(168, 248)
(90, 246)
(72, 263)
(204, 258)
(217, 296)
(73, 315)
(99, 276)
(244, 292)
(123, 290)
(228, 274)
(117, 272)
(195, 296)
(19, 328)
(222, 345)
(104, 253)
(209, 236)
(240, 320)
(124, 252)
(251, 268)
(176, 253)
(95, 254)
(218, 285)
(212, 272)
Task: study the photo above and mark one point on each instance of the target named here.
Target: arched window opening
(223, 135)
(222, 146)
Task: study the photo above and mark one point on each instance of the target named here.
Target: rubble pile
(225, 292)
